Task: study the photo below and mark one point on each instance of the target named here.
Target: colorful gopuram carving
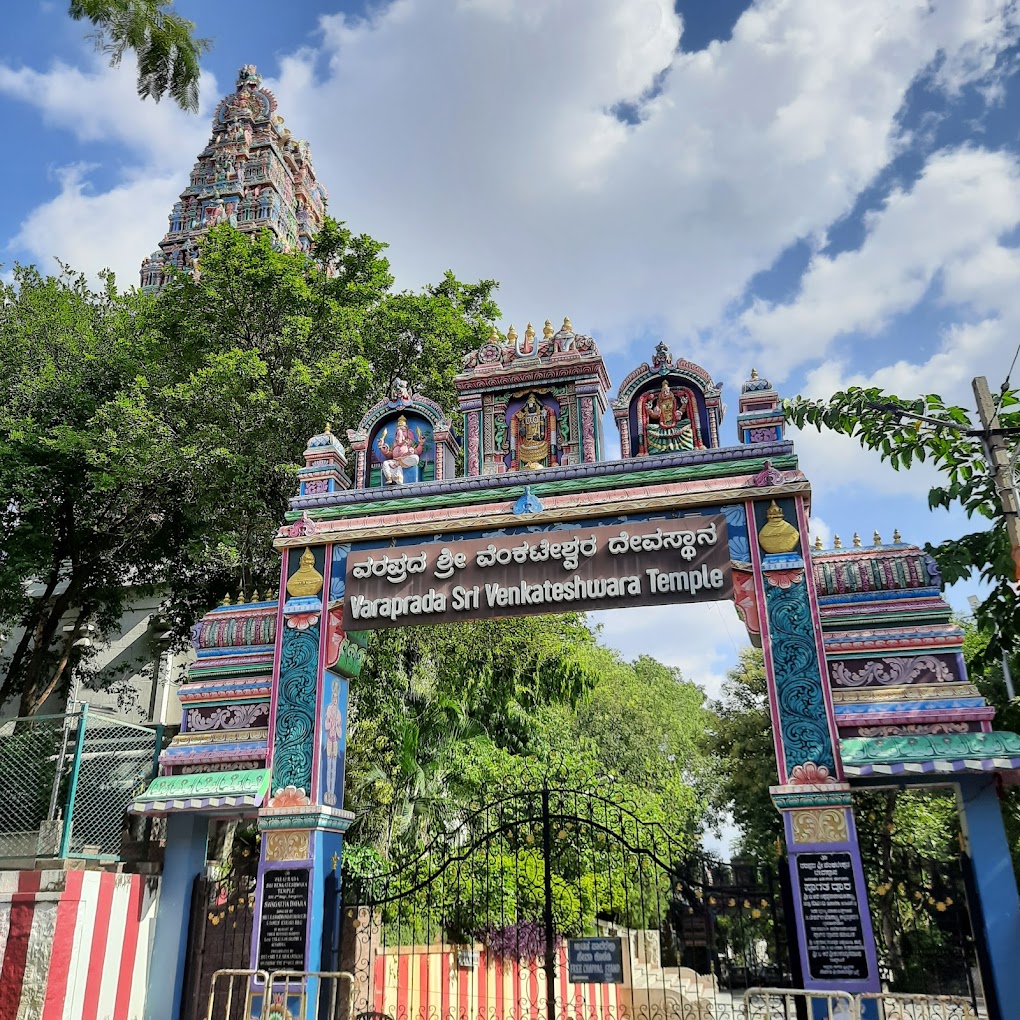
(254, 174)
(530, 404)
(667, 407)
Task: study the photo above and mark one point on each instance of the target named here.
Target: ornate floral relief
(810, 774)
(287, 845)
(228, 717)
(783, 578)
(825, 826)
(797, 678)
(295, 709)
(472, 443)
(902, 669)
(894, 730)
(588, 429)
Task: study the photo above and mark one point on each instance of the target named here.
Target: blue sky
(827, 190)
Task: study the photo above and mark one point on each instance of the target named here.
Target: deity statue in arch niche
(408, 457)
(334, 727)
(533, 434)
(667, 420)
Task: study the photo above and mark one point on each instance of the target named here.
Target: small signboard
(284, 920)
(595, 961)
(833, 929)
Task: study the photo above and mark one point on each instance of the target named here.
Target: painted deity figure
(669, 426)
(404, 452)
(531, 437)
(334, 726)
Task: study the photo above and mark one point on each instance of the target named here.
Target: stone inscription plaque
(284, 920)
(832, 918)
(647, 563)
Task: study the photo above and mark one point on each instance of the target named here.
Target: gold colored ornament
(529, 334)
(226, 600)
(896, 536)
(255, 596)
(818, 543)
(567, 325)
(548, 331)
(240, 597)
(493, 335)
(778, 535)
(754, 373)
(857, 540)
(307, 581)
(837, 542)
(876, 538)
(511, 334)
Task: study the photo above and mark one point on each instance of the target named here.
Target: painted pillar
(994, 884)
(186, 838)
(303, 824)
(832, 920)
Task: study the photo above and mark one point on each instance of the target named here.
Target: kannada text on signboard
(635, 564)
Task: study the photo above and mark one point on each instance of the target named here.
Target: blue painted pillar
(303, 824)
(998, 907)
(186, 839)
(831, 915)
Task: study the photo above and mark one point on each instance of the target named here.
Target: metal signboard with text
(650, 563)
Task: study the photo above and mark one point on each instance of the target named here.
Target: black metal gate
(559, 904)
(219, 936)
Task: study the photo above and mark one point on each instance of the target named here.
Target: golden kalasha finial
(307, 580)
(529, 333)
(329, 428)
(240, 597)
(567, 324)
(255, 596)
(754, 373)
(818, 542)
(837, 542)
(271, 595)
(876, 538)
(511, 334)
(857, 540)
(226, 600)
(493, 335)
(896, 536)
(548, 331)
(778, 535)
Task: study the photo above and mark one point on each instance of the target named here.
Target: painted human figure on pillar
(668, 426)
(532, 435)
(404, 452)
(334, 727)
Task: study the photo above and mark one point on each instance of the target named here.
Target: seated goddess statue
(668, 427)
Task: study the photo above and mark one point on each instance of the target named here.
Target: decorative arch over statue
(403, 439)
(667, 407)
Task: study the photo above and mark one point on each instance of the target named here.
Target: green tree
(876, 419)
(152, 442)
(165, 44)
(89, 501)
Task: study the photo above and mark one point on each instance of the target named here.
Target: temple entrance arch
(864, 666)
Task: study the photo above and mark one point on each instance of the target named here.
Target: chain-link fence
(66, 780)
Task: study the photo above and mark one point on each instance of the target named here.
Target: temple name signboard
(833, 930)
(284, 920)
(650, 563)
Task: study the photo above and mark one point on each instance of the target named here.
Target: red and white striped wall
(419, 982)
(74, 945)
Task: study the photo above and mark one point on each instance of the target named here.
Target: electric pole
(999, 465)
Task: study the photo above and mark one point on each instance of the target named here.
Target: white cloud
(701, 639)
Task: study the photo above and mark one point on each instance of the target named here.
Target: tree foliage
(874, 417)
(165, 44)
(152, 442)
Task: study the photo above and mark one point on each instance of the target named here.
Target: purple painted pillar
(831, 916)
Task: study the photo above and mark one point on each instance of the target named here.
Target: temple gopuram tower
(253, 174)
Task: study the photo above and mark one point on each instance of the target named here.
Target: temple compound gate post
(865, 672)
